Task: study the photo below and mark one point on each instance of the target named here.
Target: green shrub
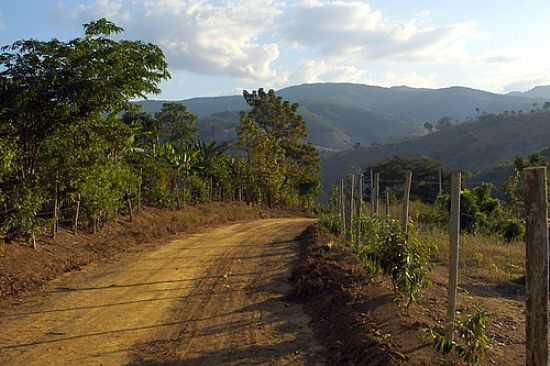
(25, 202)
(330, 221)
(471, 342)
(405, 260)
(513, 230)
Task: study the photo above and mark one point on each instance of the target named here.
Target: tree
(426, 172)
(177, 125)
(48, 86)
(273, 135)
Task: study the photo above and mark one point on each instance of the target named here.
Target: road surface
(213, 298)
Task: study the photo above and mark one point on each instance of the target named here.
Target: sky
(219, 47)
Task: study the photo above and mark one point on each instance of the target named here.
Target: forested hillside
(475, 146)
(339, 115)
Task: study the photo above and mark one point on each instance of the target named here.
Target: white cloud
(321, 71)
(200, 36)
(273, 43)
(353, 31)
(412, 79)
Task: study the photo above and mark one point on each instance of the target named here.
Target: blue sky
(218, 47)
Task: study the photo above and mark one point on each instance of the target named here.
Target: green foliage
(104, 190)
(513, 230)
(283, 168)
(425, 181)
(59, 101)
(404, 259)
(178, 126)
(25, 203)
(330, 217)
(69, 131)
(471, 342)
(479, 210)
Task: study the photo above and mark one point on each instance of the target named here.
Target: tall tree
(48, 86)
(273, 134)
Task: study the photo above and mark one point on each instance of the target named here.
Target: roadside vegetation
(75, 151)
(492, 252)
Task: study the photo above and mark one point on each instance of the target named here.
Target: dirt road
(213, 298)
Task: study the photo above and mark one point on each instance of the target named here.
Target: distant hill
(538, 92)
(475, 146)
(340, 115)
(500, 173)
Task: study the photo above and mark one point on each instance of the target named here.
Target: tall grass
(483, 256)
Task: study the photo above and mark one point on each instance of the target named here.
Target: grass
(482, 256)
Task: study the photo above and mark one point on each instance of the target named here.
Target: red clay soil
(22, 268)
(357, 320)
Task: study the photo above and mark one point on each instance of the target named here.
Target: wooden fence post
(75, 227)
(130, 208)
(387, 203)
(338, 198)
(454, 237)
(360, 208)
(536, 208)
(351, 206)
(372, 212)
(343, 213)
(55, 218)
(376, 194)
(406, 199)
(139, 203)
(440, 181)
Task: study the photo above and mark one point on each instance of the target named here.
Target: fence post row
(536, 207)
(454, 236)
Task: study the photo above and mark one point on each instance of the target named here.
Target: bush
(405, 260)
(330, 221)
(513, 230)
(472, 342)
(24, 205)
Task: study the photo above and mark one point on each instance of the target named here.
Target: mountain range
(484, 147)
(537, 92)
(342, 115)
(357, 125)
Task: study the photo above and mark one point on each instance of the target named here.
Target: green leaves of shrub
(471, 341)
(406, 261)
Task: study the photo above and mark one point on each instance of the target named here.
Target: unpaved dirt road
(213, 298)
